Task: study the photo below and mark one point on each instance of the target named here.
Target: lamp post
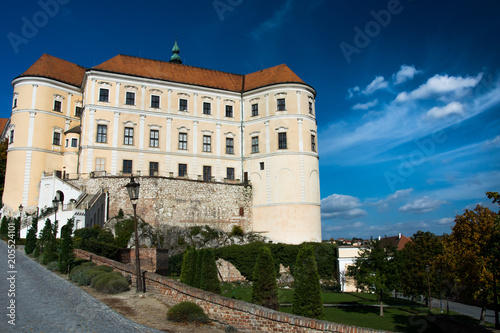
(133, 193)
(20, 216)
(427, 269)
(55, 204)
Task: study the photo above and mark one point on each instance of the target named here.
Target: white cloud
(365, 106)
(404, 74)
(445, 221)
(378, 83)
(422, 205)
(341, 206)
(353, 91)
(491, 144)
(383, 204)
(453, 108)
(441, 85)
(275, 21)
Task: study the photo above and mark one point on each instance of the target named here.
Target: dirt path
(148, 310)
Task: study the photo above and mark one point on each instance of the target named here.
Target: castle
(242, 149)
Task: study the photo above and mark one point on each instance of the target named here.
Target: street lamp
(133, 193)
(21, 215)
(55, 204)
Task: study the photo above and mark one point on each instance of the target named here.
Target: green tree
(374, 270)
(492, 255)
(419, 264)
(188, 270)
(210, 274)
(49, 243)
(31, 240)
(265, 288)
(198, 269)
(307, 299)
(66, 253)
(4, 227)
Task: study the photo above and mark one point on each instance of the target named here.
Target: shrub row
(102, 278)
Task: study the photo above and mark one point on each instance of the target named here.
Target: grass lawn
(396, 318)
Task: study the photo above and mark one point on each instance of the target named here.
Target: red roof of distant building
(398, 242)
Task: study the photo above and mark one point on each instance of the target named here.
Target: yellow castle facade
(136, 116)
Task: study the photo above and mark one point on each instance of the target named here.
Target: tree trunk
(381, 306)
(495, 299)
(483, 313)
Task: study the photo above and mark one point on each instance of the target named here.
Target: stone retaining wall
(245, 316)
(179, 202)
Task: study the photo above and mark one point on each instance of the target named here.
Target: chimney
(399, 236)
(378, 237)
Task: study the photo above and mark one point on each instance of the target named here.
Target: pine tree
(188, 266)
(307, 299)
(30, 245)
(50, 243)
(209, 278)
(265, 288)
(198, 269)
(66, 254)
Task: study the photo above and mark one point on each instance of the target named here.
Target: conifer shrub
(111, 283)
(4, 227)
(198, 277)
(264, 287)
(30, 245)
(188, 271)
(124, 230)
(120, 213)
(66, 253)
(187, 312)
(307, 298)
(210, 275)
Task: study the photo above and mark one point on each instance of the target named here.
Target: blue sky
(408, 93)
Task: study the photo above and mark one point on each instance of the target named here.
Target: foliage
(96, 240)
(4, 145)
(307, 299)
(52, 266)
(124, 230)
(120, 212)
(110, 283)
(175, 264)
(189, 266)
(419, 264)
(66, 253)
(375, 271)
(237, 231)
(77, 272)
(31, 237)
(87, 275)
(463, 252)
(49, 233)
(265, 288)
(4, 227)
(209, 274)
(187, 312)
(198, 269)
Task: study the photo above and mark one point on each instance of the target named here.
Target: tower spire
(175, 58)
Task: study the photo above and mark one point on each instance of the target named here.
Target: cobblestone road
(45, 302)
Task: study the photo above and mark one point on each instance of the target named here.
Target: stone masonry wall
(245, 316)
(179, 202)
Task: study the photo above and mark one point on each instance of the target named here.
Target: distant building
(75, 133)
(397, 242)
(346, 256)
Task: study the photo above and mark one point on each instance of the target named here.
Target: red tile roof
(61, 70)
(395, 241)
(3, 122)
(57, 69)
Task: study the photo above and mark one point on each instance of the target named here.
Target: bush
(120, 212)
(264, 287)
(52, 266)
(110, 283)
(209, 279)
(237, 231)
(31, 238)
(66, 253)
(188, 272)
(85, 275)
(77, 273)
(230, 329)
(123, 230)
(187, 312)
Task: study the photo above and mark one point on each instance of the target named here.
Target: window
(127, 166)
(230, 173)
(281, 104)
(57, 106)
(310, 107)
(15, 103)
(155, 101)
(229, 111)
(261, 165)
(255, 144)
(99, 164)
(128, 138)
(229, 146)
(153, 169)
(183, 141)
(313, 142)
(103, 95)
(130, 98)
(183, 170)
(56, 140)
(74, 142)
(207, 146)
(255, 110)
(207, 173)
(11, 139)
(78, 111)
(183, 105)
(101, 133)
(154, 138)
(282, 140)
(207, 108)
